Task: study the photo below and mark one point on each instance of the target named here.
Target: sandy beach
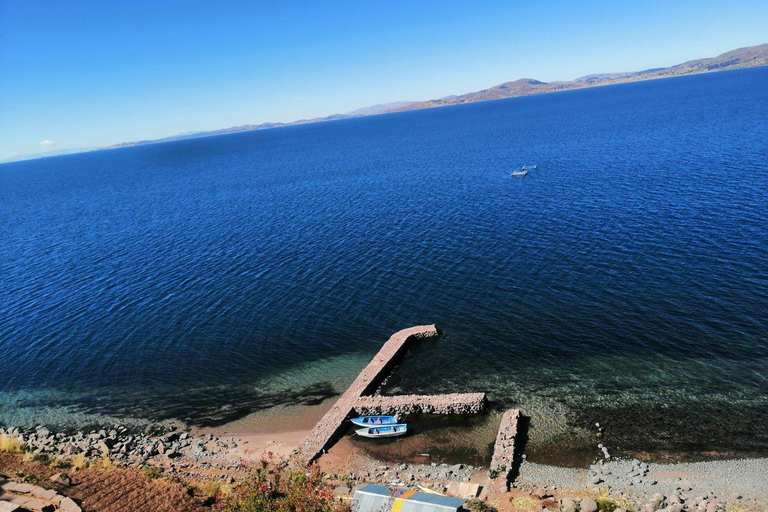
(278, 430)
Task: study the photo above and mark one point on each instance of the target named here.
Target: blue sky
(87, 73)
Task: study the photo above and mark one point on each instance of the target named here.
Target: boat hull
(374, 421)
(383, 432)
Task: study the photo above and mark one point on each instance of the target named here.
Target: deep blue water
(624, 281)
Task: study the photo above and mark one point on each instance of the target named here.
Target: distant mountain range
(742, 58)
(750, 56)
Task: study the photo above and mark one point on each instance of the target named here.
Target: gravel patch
(727, 481)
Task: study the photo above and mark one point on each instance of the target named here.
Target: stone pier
(453, 403)
(332, 424)
(503, 460)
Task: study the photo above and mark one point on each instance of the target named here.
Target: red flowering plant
(272, 487)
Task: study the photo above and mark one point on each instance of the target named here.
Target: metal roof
(378, 498)
(381, 489)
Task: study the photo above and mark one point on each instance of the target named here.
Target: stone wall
(18, 496)
(503, 459)
(453, 403)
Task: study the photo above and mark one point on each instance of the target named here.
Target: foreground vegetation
(272, 487)
(9, 444)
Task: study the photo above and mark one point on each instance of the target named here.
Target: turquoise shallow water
(624, 281)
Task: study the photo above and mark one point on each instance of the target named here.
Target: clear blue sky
(92, 73)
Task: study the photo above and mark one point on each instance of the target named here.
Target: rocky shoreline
(609, 484)
(176, 451)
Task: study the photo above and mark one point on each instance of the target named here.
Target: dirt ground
(108, 490)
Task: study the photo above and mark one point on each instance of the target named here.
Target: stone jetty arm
(503, 459)
(453, 403)
(329, 427)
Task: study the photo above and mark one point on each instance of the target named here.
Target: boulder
(61, 479)
(588, 505)
(21, 488)
(67, 505)
(46, 494)
(567, 505)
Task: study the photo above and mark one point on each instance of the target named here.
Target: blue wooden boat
(385, 431)
(372, 421)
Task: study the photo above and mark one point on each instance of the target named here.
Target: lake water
(625, 281)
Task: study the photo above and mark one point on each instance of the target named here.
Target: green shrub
(151, 472)
(495, 473)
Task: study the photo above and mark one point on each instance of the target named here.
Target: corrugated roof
(436, 499)
(365, 502)
(425, 502)
(379, 489)
(377, 498)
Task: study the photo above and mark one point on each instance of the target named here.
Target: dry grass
(207, 490)
(525, 504)
(607, 503)
(79, 461)
(10, 444)
(105, 462)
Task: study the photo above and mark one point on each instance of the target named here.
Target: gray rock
(588, 505)
(67, 505)
(61, 479)
(567, 505)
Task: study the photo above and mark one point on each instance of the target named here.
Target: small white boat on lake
(519, 173)
(385, 431)
(373, 421)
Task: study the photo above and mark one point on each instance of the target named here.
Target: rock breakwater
(330, 425)
(503, 459)
(452, 403)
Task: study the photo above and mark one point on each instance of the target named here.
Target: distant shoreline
(736, 59)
